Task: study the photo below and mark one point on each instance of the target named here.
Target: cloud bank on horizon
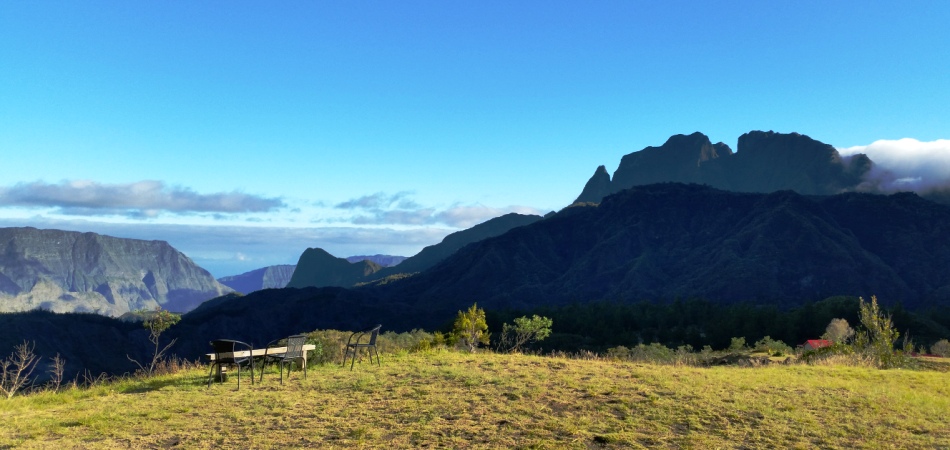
(141, 199)
(399, 208)
(905, 165)
(233, 232)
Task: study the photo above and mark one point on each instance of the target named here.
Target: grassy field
(447, 399)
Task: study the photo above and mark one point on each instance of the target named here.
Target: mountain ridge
(67, 271)
(763, 162)
(317, 260)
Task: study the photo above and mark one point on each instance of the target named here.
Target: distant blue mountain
(382, 260)
(263, 278)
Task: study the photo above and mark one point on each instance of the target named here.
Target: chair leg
(210, 374)
(377, 357)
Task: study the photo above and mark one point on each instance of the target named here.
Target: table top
(261, 351)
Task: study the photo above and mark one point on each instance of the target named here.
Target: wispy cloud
(134, 200)
(401, 209)
(462, 216)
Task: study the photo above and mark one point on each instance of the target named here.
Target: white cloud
(468, 216)
(400, 209)
(143, 199)
(906, 165)
(379, 201)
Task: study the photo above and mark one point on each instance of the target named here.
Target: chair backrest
(295, 345)
(373, 333)
(222, 347)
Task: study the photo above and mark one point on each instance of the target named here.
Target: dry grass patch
(449, 399)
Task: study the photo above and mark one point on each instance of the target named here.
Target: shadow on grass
(155, 384)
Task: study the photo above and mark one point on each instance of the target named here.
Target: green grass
(457, 400)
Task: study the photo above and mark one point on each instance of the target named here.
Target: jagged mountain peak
(596, 188)
(764, 161)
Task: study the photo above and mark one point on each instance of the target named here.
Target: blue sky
(245, 132)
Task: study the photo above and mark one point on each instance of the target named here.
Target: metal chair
(294, 352)
(224, 350)
(353, 347)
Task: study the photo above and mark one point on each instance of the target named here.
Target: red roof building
(815, 344)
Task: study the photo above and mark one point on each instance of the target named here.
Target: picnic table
(259, 352)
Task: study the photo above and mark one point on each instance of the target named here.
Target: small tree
(156, 323)
(471, 328)
(16, 369)
(879, 335)
(524, 330)
(838, 331)
(56, 370)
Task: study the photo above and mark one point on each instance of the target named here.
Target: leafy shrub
(941, 348)
(331, 344)
(654, 353)
(772, 347)
(737, 344)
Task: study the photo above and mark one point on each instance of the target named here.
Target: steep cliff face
(65, 271)
(680, 159)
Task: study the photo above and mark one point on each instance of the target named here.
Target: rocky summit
(66, 271)
(764, 162)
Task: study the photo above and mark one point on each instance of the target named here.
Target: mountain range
(668, 241)
(657, 243)
(65, 271)
(782, 222)
(279, 276)
(264, 278)
(318, 268)
(382, 260)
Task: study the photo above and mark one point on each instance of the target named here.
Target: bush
(331, 344)
(941, 348)
(737, 344)
(655, 353)
(772, 347)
